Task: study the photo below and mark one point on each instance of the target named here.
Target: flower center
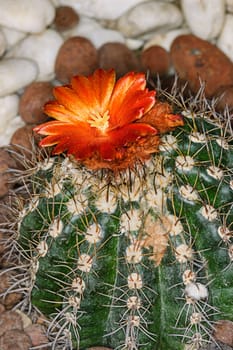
(99, 121)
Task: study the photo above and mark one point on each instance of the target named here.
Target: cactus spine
(138, 260)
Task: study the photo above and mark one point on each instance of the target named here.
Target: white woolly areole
(46, 164)
(42, 248)
(185, 163)
(55, 228)
(197, 137)
(131, 221)
(106, 202)
(77, 204)
(225, 234)
(155, 199)
(215, 172)
(133, 303)
(133, 321)
(188, 276)
(70, 318)
(135, 281)
(223, 143)
(196, 318)
(133, 192)
(78, 285)
(188, 192)
(183, 253)
(34, 267)
(196, 291)
(209, 212)
(134, 253)
(189, 114)
(162, 180)
(176, 225)
(94, 234)
(74, 301)
(85, 263)
(168, 143)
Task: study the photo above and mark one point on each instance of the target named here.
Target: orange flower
(98, 119)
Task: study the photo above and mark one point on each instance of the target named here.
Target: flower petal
(78, 140)
(67, 97)
(129, 93)
(162, 118)
(122, 137)
(95, 90)
(59, 112)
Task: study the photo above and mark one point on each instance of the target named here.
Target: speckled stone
(195, 59)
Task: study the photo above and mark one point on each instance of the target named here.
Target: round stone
(66, 18)
(15, 74)
(156, 60)
(27, 16)
(9, 108)
(198, 60)
(43, 49)
(77, 56)
(32, 102)
(133, 23)
(204, 19)
(119, 57)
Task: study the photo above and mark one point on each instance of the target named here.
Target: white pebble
(134, 44)
(196, 291)
(83, 28)
(12, 36)
(42, 48)
(16, 73)
(204, 18)
(2, 43)
(165, 39)
(12, 126)
(229, 5)
(102, 36)
(92, 30)
(9, 108)
(28, 16)
(101, 9)
(225, 40)
(158, 15)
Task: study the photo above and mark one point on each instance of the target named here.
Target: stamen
(99, 121)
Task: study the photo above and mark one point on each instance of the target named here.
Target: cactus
(134, 252)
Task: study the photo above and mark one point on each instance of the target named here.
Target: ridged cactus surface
(141, 259)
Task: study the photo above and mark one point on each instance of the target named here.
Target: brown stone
(23, 139)
(119, 57)
(10, 320)
(223, 331)
(198, 60)
(77, 56)
(66, 18)
(37, 335)
(225, 94)
(6, 163)
(156, 60)
(32, 102)
(2, 308)
(15, 340)
(11, 299)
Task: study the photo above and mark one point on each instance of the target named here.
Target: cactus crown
(139, 258)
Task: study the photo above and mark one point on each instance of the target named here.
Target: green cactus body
(139, 260)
